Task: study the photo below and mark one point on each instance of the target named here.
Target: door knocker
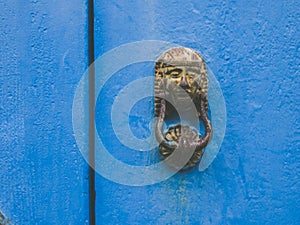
(181, 69)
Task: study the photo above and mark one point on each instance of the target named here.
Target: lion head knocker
(181, 69)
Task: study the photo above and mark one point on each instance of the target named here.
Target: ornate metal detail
(184, 69)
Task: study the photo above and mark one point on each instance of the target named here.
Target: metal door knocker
(181, 69)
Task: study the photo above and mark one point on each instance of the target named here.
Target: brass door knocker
(181, 69)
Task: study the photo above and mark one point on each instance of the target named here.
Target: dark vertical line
(91, 52)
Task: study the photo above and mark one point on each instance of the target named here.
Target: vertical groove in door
(91, 50)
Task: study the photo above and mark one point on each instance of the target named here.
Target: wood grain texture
(43, 51)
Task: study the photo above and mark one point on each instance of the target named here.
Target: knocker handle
(159, 123)
(203, 106)
(199, 144)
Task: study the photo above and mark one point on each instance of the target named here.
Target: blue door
(58, 117)
(44, 178)
(252, 48)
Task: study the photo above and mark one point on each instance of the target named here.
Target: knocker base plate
(181, 77)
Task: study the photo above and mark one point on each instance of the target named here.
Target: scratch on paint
(4, 220)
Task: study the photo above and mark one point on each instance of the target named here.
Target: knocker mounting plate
(181, 82)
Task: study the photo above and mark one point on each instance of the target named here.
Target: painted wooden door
(251, 49)
(43, 50)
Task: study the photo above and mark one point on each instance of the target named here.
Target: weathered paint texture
(252, 47)
(43, 54)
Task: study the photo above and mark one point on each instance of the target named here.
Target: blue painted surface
(252, 47)
(43, 52)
